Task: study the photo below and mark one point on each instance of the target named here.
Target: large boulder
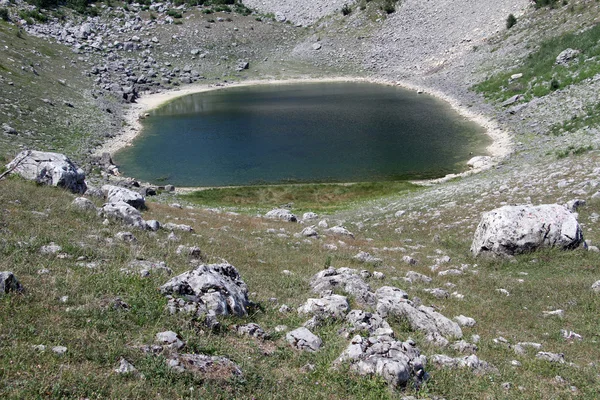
(513, 230)
(303, 339)
(332, 306)
(115, 194)
(282, 214)
(210, 288)
(49, 169)
(125, 213)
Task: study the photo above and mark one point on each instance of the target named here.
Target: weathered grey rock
(146, 268)
(345, 279)
(124, 213)
(551, 357)
(170, 339)
(596, 286)
(282, 214)
(51, 248)
(211, 287)
(566, 56)
(116, 194)
(573, 205)
(513, 230)
(373, 324)
(309, 231)
(340, 231)
(126, 237)
(303, 339)
(413, 277)
(366, 258)
(472, 362)
(394, 301)
(397, 362)
(512, 100)
(464, 321)
(251, 329)
(125, 367)
(190, 251)
(84, 204)
(177, 227)
(437, 292)
(9, 130)
(309, 216)
(332, 306)
(464, 347)
(153, 225)
(480, 162)
(316, 46)
(60, 350)
(9, 283)
(207, 366)
(49, 169)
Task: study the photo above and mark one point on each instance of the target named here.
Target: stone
(409, 260)
(84, 204)
(596, 287)
(413, 277)
(480, 162)
(51, 248)
(332, 306)
(551, 357)
(125, 367)
(345, 279)
(153, 225)
(170, 339)
(339, 231)
(512, 100)
(116, 194)
(47, 168)
(282, 214)
(465, 321)
(371, 323)
(464, 347)
(316, 46)
(309, 216)
(177, 227)
(366, 258)
(210, 287)
(396, 362)
(9, 283)
(303, 339)
(437, 293)
(9, 130)
(566, 56)
(213, 367)
(511, 230)
(146, 268)
(392, 301)
(309, 231)
(471, 362)
(60, 350)
(192, 252)
(124, 213)
(126, 237)
(251, 329)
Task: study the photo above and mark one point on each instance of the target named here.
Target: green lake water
(294, 133)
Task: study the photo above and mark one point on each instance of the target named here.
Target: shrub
(545, 3)
(174, 14)
(4, 14)
(554, 84)
(346, 10)
(389, 7)
(511, 21)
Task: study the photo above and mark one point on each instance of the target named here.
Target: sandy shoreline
(500, 147)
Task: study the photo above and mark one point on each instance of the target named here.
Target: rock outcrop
(210, 288)
(116, 194)
(513, 230)
(49, 169)
(9, 283)
(125, 213)
(345, 279)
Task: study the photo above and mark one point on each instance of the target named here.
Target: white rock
(303, 339)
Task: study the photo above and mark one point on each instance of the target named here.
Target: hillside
(93, 296)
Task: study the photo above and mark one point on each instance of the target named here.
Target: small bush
(174, 13)
(346, 10)
(554, 84)
(4, 14)
(389, 7)
(32, 15)
(511, 21)
(545, 3)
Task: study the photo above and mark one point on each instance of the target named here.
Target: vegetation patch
(305, 197)
(541, 74)
(573, 151)
(590, 118)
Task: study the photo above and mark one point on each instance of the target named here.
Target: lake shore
(500, 147)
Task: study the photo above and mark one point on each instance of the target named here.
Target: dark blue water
(320, 132)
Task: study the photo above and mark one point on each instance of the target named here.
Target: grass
(541, 75)
(97, 336)
(322, 198)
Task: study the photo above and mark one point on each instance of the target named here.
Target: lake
(296, 133)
